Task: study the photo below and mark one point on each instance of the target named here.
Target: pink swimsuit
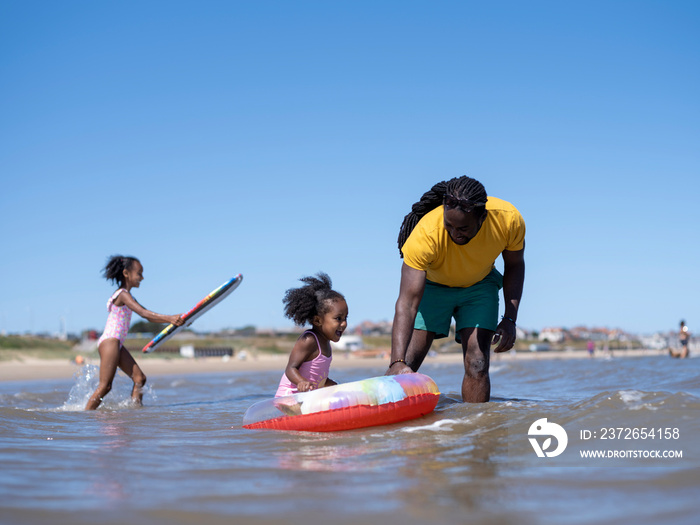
(316, 371)
(118, 320)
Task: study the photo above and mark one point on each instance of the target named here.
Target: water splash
(86, 380)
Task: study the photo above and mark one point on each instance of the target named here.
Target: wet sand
(36, 369)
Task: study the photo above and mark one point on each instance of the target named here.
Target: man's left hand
(505, 336)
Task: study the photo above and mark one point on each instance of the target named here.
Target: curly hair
(114, 269)
(469, 191)
(305, 302)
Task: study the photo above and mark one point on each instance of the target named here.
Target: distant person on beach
(684, 339)
(449, 243)
(127, 272)
(326, 311)
(590, 346)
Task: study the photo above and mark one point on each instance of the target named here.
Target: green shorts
(472, 307)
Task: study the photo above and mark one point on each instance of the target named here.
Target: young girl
(327, 312)
(127, 272)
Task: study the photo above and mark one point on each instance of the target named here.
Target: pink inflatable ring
(370, 402)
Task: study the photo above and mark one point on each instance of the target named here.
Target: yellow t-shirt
(429, 248)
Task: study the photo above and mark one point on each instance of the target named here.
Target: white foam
(433, 427)
(630, 396)
(633, 400)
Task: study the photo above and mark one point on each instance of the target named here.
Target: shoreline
(31, 369)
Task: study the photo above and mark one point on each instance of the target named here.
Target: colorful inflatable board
(200, 308)
(370, 402)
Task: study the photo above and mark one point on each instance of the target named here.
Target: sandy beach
(28, 369)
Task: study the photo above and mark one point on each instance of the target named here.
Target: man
(449, 243)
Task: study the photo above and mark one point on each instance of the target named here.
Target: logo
(542, 428)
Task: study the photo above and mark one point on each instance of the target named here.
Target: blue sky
(278, 139)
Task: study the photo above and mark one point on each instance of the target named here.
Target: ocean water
(183, 458)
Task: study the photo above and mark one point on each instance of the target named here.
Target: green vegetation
(23, 347)
(146, 327)
(265, 345)
(18, 347)
(15, 347)
(448, 345)
(377, 341)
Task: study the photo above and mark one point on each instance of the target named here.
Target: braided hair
(304, 303)
(470, 192)
(114, 269)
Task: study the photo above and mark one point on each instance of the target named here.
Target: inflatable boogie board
(370, 402)
(200, 308)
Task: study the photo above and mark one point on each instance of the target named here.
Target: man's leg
(476, 347)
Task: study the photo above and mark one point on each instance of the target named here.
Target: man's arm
(513, 280)
(410, 294)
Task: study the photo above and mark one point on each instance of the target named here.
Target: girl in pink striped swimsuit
(127, 272)
(327, 312)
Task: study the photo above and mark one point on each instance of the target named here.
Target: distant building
(655, 341)
(374, 329)
(553, 335)
(521, 334)
(349, 343)
(591, 334)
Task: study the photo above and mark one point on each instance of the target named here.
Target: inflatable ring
(370, 402)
